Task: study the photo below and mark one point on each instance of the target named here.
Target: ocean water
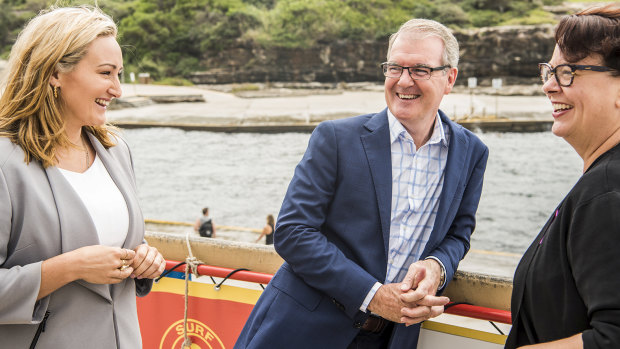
(242, 177)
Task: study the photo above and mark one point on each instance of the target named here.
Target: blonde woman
(72, 255)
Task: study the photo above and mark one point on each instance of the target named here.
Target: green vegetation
(172, 38)
(173, 81)
(244, 88)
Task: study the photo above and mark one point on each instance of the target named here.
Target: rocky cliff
(511, 53)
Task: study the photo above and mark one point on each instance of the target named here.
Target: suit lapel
(78, 229)
(452, 182)
(76, 226)
(377, 147)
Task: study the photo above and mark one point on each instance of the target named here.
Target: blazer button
(357, 324)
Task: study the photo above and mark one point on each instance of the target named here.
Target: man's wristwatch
(442, 277)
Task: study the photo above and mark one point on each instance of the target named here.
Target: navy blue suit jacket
(333, 232)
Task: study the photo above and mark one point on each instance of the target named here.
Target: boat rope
(191, 266)
(497, 328)
(217, 287)
(165, 273)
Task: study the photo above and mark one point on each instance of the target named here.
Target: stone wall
(511, 53)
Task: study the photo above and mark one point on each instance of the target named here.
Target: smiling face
(88, 89)
(415, 102)
(586, 113)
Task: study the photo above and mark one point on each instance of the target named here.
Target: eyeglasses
(565, 73)
(417, 72)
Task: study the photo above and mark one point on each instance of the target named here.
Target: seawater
(242, 177)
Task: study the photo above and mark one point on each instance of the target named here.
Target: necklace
(86, 152)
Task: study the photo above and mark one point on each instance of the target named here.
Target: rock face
(511, 53)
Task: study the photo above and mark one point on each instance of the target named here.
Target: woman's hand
(96, 264)
(147, 263)
(100, 264)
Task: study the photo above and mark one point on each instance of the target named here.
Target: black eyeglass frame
(432, 69)
(573, 68)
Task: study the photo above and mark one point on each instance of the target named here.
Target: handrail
(209, 270)
(472, 311)
(481, 313)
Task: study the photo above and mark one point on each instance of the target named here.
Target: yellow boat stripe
(202, 290)
(464, 332)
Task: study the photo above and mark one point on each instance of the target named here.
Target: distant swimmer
(204, 225)
(268, 230)
(566, 287)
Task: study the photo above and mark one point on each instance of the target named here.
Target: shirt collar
(397, 129)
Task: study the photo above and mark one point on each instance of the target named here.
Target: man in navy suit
(378, 214)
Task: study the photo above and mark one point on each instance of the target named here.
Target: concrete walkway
(226, 108)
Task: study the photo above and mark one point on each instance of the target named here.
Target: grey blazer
(41, 216)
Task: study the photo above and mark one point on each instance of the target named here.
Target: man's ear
(452, 73)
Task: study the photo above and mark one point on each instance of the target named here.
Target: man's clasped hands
(414, 299)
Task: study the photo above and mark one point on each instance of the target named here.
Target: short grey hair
(424, 28)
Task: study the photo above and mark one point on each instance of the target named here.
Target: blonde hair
(53, 41)
(425, 28)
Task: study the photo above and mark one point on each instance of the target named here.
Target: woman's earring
(55, 91)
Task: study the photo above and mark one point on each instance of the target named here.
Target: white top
(103, 200)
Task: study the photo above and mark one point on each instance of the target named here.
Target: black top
(568, 281)
(269, 237)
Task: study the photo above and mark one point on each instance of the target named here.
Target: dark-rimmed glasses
(565, 73)
(417, 72)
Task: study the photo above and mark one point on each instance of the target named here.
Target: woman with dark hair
(566, 291)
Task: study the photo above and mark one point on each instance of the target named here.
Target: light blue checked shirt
(417, 181)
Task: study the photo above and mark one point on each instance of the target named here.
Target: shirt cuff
(370, 295)
(443, 269)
